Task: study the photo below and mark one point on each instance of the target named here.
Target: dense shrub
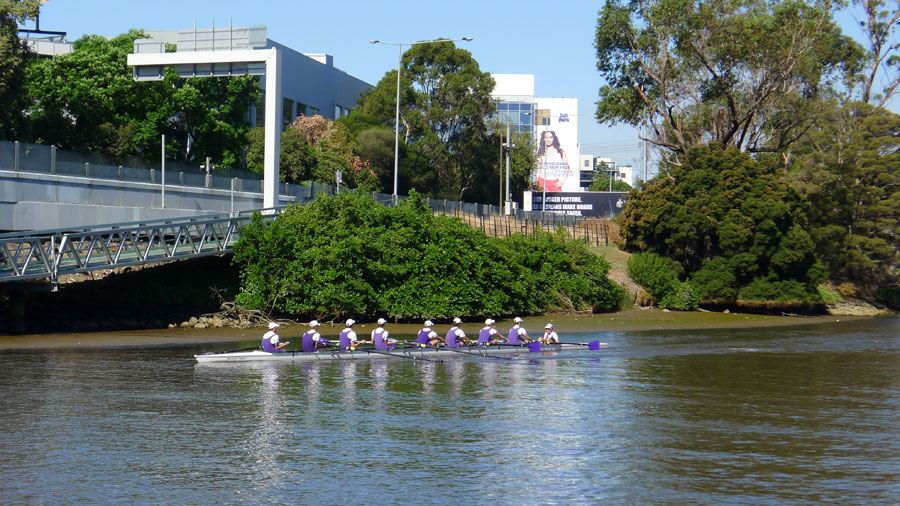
(682, 298)
(347, 255)
(734, 226)
(653, 272)
(889, 295)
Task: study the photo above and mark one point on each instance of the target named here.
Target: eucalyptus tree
(743, 73)
(445, 99)
(880, 25)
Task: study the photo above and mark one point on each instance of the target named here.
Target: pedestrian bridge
(49, 254)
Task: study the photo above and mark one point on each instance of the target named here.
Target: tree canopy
(445, 100)
(14, 54)
(87, 100)
(848, 167)
(737, 231)
(746, 73)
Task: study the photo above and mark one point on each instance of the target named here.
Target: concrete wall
(30, 201)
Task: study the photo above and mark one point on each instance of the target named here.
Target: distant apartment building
(589, 165)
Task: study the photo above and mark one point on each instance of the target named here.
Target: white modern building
(310, 83)
(552, 123)
(589, 164)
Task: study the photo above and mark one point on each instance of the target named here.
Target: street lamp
(397, 116)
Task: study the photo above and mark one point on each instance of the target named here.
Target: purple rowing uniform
(514, 335)
(484, 335)
(267, 342)
(424, 336)
(309, 343)
(344, 340)
(378, 340)
(451, 338)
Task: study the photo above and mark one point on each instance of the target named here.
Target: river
(766, 415)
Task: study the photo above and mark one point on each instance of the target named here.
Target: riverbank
(623, 321)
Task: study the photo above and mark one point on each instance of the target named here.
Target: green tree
(297, 156)
(879, 25)
(445, 99)
(87, 100)
(13, 57)
(746, 73)
(601, 183)
(724, 216)
(347, 255)
(849, 170)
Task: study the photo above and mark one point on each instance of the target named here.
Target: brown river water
(696, 408)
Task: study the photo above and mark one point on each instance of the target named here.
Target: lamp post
(397, 115)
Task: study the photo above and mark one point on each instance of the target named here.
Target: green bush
(889, 295)
(655, 273)
(347, 255)
(682, 298)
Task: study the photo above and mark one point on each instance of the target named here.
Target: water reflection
(675, 417)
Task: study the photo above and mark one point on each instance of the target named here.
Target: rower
(348, 339)
(270, 340)
(380, 337)
(550, 337)
(489, 335)
(455, 336)
(428, 337)
(312, 340)
(517, 332)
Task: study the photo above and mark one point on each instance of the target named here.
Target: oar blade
(534, 347)
(594, 345)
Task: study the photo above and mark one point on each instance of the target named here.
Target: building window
(287, 112)
(261, 110)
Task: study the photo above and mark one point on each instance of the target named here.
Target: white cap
(382, 321)
(489, 322)
(428, 323)
(350, 322)
(273, 325)
(457, 320)
(548, 326)
(314, 323)
(517, 319)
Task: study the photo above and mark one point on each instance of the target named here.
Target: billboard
(557, 143)
(586, 204)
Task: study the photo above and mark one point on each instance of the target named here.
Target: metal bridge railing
(54, 253)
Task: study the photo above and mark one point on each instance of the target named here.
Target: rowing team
(381, 339)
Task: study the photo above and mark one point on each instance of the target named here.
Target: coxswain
(428, 337)
(312, 340)
(489, 335)
(270, 340)
(517, 333)
(380, 337)
(455, 336)
(348, 339)
(550, 337)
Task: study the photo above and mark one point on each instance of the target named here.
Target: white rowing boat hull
(366, 354)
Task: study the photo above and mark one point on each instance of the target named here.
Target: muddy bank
(637, 320)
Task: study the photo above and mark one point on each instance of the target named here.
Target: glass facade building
(517, 111)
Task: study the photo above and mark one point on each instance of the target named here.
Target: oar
(477, 354)
(593, 345)
(411, 357)
(533, 347)
(232, 351)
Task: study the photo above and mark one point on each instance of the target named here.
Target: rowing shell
(364, 354)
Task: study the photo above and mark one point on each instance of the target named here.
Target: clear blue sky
(552, 40)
